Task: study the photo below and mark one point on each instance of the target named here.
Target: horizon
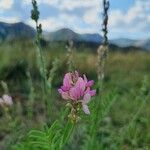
(128, 19)
(77, 32)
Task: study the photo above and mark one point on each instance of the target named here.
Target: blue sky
(127, 18)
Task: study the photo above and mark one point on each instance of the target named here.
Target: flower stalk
(70, 55)
(103, 49)
(40, 58)
(101, 57)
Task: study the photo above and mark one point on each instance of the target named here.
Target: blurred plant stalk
(40, 59)
(102, 51)
(47, 81)
(101, 58)
(70, 63)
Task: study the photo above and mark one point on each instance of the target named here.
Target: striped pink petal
(86, 98)
(86, 109)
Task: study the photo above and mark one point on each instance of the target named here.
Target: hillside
(67, 34)
(15, 31)
(19, 31)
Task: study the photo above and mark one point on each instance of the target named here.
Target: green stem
(67, 133)
(40, 59)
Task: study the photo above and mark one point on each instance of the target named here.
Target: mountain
(143, 43)
(125, 43)
(20, 30)
(67, 34)
(15, 31)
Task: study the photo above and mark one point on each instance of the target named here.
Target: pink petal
(92, 92)
(89, 83)
(81, 84)
(87, 90)
(67, 80)
(65, 88)
(60, 91)
(85, 78)
(85, 109)
(86, 98)
(65, 95)
(75, 93)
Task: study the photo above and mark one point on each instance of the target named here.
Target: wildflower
(6, 100)
(77, 90)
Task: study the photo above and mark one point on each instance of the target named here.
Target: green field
(125, 126)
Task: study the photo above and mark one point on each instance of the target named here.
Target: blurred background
(127, 67)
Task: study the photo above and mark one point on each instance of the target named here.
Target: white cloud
(63, 21)
(91, 16)
(6, 4)
(49, 2)
(115, 17)
(51, 24)
(54, 23)
(134, 15)
(68, 4)
(9, 19)
(136, 19)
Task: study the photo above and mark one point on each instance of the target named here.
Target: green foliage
(122, 96)
(66, 133)
(50, 138)
(101, 107)
(131, 128)
(47, 139)
(31, 95)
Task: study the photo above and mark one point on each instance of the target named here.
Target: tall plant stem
(101, 57)
(40, 59)
(70, 55)
(103, 49)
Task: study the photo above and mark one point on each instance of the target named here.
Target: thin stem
(69, 128)
(101, 56)
(40, 55)
(103, 49)
(40, 58)
(70, 55)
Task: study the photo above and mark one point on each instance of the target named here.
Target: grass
(121, 128)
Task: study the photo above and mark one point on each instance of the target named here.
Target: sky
(127, 18)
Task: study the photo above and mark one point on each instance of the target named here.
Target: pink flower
(77, 89)
(6, 100)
